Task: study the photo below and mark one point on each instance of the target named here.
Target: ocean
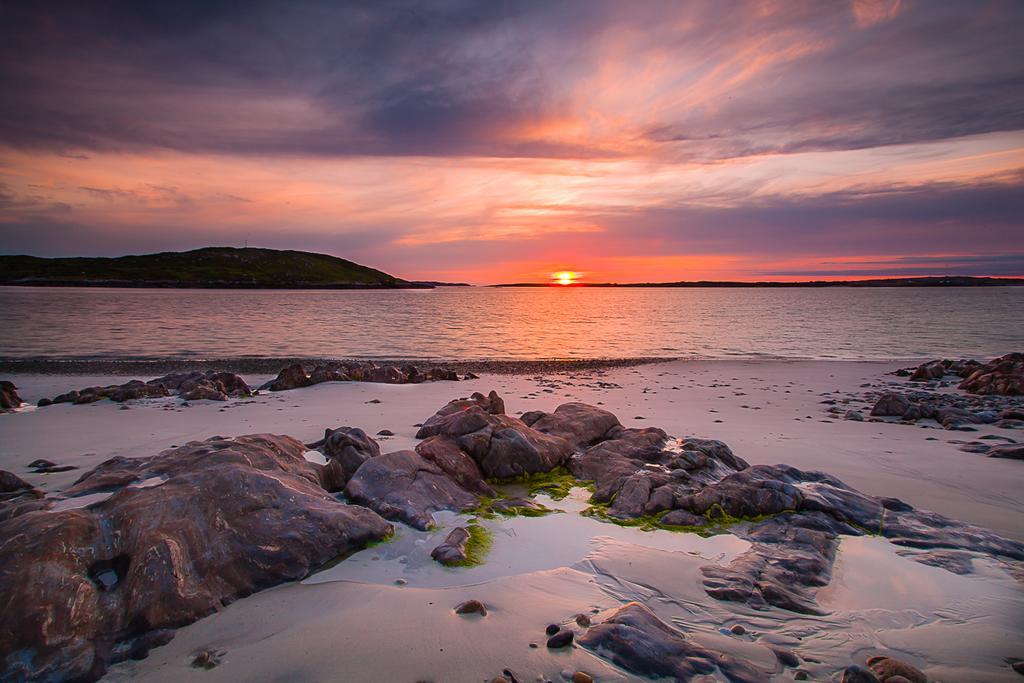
(462, 323)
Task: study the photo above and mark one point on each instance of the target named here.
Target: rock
(1013, 451)
(346, 448)
(891, 405)
(1002, 376)
(471, 607)
(886, 667)
(453, 550)
(1018, 667)
(204, 391)
(928, 371)
(738, 630)
(445, 453)
(633, 638)
(9, 399)
(581, 677)
(42, 466)
(562, 638)
(578, 423)
(217, 520)
(854, 415)
(858, 674)
(582, 620)
(292, 377)
(471, 375)
(786, 657)
(12, 483)
(491, 404)
(552, 629)
(206, 659)
(385, 432)
(407, 487)
(683, 518)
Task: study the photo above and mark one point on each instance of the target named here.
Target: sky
(493, 141)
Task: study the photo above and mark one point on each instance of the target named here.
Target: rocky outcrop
(952, 411)
(211, 385)
(634, 638)
(294, 376)
(504, 447)
(159, 542)
(446, 454)
(405, 486)
(1003, 376)
(9, 399)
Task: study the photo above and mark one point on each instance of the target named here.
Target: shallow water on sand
(459, 323)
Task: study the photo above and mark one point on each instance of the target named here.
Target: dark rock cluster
(189, 386)
(158, 543)
(951, 410)
(1003, 376)
(294, 376)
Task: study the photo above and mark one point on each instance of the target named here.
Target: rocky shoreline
(147, 545)
(264, 366)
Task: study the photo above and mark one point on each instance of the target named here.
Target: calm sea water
(540, 323)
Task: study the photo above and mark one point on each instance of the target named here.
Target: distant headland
(210, 267)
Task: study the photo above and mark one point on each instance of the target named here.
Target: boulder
(292, 377)
(578, 423)
(446, 454)
(9, 399)
(346, 449)
(928, 371)
(453, 550)
(492, 404)
(891, 405)
(634, 638)
(885, 668)
(178, 536)
(407, 487)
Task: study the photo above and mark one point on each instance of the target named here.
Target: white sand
(352, 623)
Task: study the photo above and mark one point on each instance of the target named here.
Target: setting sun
(565, 277)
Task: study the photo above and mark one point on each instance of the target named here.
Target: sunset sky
(496, 142)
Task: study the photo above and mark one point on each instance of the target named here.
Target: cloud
(572, 79)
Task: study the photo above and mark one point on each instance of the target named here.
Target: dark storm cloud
(458, 77)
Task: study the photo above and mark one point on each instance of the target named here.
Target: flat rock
(170, 539)
(407, 487)
(635, 639)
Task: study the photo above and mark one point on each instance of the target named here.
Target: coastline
(546, 569)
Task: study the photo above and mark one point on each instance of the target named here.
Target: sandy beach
(353, 617)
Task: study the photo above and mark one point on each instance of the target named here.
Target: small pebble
(738, 630)
(552, 629)
(471, 607)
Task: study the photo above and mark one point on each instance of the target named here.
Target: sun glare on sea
(565, 277)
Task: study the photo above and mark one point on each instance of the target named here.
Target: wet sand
(354, 618)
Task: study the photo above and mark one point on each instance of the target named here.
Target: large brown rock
(634, 638)
(166, 540)
(1003, 376)
(405, 486)
(448, 419)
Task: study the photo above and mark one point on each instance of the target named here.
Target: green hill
(225, 267)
